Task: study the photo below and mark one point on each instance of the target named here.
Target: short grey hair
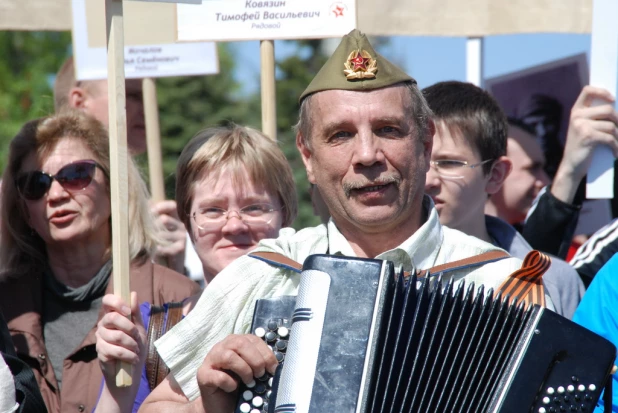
(419, 110)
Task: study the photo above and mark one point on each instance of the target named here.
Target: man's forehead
(449, 139)
(521, 146)
(393, 96)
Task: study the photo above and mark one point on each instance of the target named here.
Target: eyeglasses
(453, 169)
(212, 218)
(73, 177)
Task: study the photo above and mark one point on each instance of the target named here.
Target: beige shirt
(226, 305)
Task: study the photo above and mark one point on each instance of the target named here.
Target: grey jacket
(562, 282)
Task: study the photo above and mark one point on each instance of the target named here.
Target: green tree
(293, 75)
(190, 104)
(29, 61)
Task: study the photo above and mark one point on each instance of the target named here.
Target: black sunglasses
(73, 177)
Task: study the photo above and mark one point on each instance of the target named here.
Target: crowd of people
(417, 177)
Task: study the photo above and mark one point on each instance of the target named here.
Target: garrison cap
(356, 66)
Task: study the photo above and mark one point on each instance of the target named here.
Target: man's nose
(432, 180)
(368, 150)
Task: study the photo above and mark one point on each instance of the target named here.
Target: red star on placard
(338, 11)
(359, 62)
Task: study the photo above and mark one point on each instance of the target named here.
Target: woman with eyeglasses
(55, 253)
(234, 187)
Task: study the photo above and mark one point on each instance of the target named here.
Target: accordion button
(260, 332)
(567, 399)
(247, 395)
(560, 389)
(271, 336)
(574, 379)
(570, 388)
(546, 400)
(574, 408)
(279, 356)
(583, 408)
(270, 383)
(542, 410)
(260, 388)
(577, 398)
(268, 393)
(281, 345)
(264, 377)
(251, 384)
(283, 332)
(552, 410)
(245, 408)
(550, 390)
(257, 401)
(272, 325)
(588, 397)
(255, 411)
(581, 387)
(592, 387)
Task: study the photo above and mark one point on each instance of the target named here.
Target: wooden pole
(153, 139)
(118, 152)
(269, 107)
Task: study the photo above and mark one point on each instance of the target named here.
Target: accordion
(360, 337)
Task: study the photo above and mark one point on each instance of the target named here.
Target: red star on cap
(359, 62)
(338, 11)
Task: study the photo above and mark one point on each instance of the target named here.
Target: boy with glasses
(468, 164)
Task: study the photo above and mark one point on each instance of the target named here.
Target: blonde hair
(21, 249)
(235, 148)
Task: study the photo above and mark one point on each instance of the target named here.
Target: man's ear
(306, 154)
(77, 97)
(500, 170)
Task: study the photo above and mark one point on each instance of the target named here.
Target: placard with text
(229, 20)
(144, 21)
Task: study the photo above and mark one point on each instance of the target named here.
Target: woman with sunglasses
(55, 253)
(234, 187)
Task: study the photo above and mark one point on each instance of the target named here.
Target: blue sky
(434, 59)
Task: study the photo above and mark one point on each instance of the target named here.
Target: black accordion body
(362, 339)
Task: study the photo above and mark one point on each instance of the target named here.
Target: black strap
(607, 395)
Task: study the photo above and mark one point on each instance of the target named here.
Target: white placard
(603, 72)
(229, 20)
(159, 60)
(173, 1)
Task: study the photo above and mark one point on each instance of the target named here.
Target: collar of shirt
(419, 251)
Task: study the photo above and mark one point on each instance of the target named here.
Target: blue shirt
(598, 312)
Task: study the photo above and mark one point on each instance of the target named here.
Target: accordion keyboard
(272, 324)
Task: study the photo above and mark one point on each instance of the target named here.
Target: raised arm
(589, 127)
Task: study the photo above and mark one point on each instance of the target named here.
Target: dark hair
(518, 123)
(471, 111)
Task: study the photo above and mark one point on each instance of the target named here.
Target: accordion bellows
(364, 339)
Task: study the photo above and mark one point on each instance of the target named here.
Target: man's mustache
(382, 180)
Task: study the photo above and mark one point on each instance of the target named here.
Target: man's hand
(593, 122)
(173, 231)
(238, 357)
